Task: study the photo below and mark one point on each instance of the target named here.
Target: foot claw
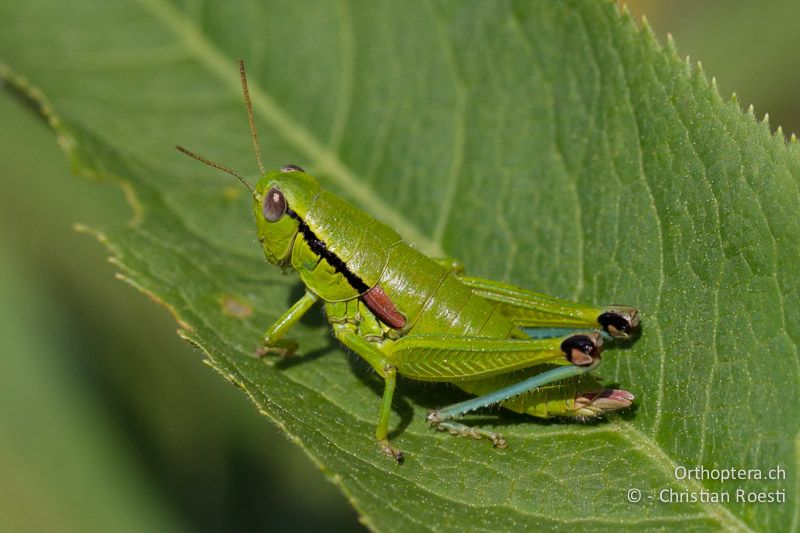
(433, 418)
(391, 451)
(282, 349)
(461, 430)
(499, 442)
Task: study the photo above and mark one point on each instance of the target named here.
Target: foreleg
(273, 341)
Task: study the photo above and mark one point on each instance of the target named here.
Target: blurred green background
(751, 48)
(105, 413)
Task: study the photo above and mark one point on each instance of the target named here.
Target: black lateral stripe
(318, 247)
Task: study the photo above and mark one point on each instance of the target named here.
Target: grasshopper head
(281, 197)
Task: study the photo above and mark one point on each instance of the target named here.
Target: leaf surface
(552, 145)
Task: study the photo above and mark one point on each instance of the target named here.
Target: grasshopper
(424, 318)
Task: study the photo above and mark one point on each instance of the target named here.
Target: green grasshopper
(406, 313)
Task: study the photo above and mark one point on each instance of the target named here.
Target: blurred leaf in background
(64, 456)
(749, 47)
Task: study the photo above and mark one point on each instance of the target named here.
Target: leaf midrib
(328, 162)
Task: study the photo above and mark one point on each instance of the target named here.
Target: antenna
(217, 166)
(251, 116)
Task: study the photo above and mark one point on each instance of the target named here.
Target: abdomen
(434, 301)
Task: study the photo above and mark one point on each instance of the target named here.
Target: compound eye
(292, 168)
(274, 205)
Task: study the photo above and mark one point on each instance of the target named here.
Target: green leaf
(553, 145)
